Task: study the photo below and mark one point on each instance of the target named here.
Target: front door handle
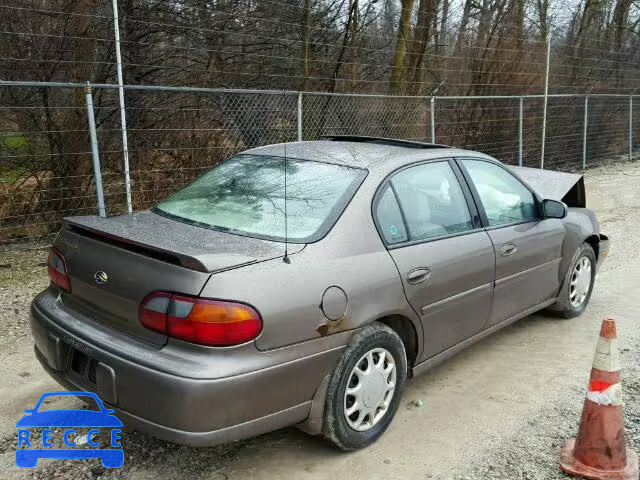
(508, 249)
(418, 275)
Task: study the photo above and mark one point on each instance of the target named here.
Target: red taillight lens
(214, 323)
(57, 268)
(153, 311)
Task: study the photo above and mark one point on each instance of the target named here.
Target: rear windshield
(245, 195)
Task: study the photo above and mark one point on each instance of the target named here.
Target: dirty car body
(436, 246)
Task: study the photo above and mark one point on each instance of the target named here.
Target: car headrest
(416, 205)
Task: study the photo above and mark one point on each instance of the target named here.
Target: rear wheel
(365, 388)
(578, 284)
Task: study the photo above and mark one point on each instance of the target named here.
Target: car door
(527, 247)
(427, 219)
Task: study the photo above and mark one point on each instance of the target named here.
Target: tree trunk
(442, 31)
(306, 46)
(517, 18)
(353, 6)
(543, 18)
(71, 166)
(343, 49)
(427, 12)
(620, 20)
(399, 57)
(464, 21)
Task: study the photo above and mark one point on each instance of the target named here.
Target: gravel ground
(532, 453)
(22, 274)
(499, 410)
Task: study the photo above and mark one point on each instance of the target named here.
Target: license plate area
(92, 375)
(83, 367)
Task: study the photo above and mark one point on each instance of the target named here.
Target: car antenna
(286, 258)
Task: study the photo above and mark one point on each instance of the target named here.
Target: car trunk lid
(142, 253)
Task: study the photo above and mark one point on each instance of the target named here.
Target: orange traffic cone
(599, 452)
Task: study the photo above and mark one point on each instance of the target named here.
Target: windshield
(245, 195)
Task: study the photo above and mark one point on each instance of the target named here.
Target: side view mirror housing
(554, 209)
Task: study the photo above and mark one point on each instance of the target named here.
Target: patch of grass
(14, 142)
(10, 174)
(11, 145)
(20, 267)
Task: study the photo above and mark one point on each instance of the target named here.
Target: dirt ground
(499, 410)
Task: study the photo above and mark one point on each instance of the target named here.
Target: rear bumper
(603, 249)
(174, 405)
(251, 428)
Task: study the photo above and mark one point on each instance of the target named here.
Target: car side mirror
(554, 209)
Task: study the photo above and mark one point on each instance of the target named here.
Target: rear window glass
(245, 195)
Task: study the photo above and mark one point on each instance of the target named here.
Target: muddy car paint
(202, 395)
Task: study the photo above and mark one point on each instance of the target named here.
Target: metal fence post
(546, 101)
(94, 151)
(432, 105)
(300, 116)
(585, 128)
(123, 113)
(630, 127)
(520, 131)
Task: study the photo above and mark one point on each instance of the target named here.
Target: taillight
(57, 268)
(214, 323)
(153, 311)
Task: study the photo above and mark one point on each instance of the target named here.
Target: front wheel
(578, 284)
(365, 388)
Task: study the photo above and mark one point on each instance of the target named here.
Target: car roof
(363, 152)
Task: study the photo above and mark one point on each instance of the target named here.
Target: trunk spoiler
(565, 187)
(189, 246)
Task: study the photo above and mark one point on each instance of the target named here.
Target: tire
(566, 306)
(383, 346)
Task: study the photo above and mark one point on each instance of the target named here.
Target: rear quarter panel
(288, 296)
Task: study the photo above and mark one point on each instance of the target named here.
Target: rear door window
(432, 201)
(428, 199)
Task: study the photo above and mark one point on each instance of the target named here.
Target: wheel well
(594, 241)
(407, 333)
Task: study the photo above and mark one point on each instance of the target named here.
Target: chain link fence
(49, 168)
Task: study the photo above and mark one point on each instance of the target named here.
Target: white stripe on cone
(607, 358)
(610, 396)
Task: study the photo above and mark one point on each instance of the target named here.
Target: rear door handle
(508, 249)
(418, 275)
